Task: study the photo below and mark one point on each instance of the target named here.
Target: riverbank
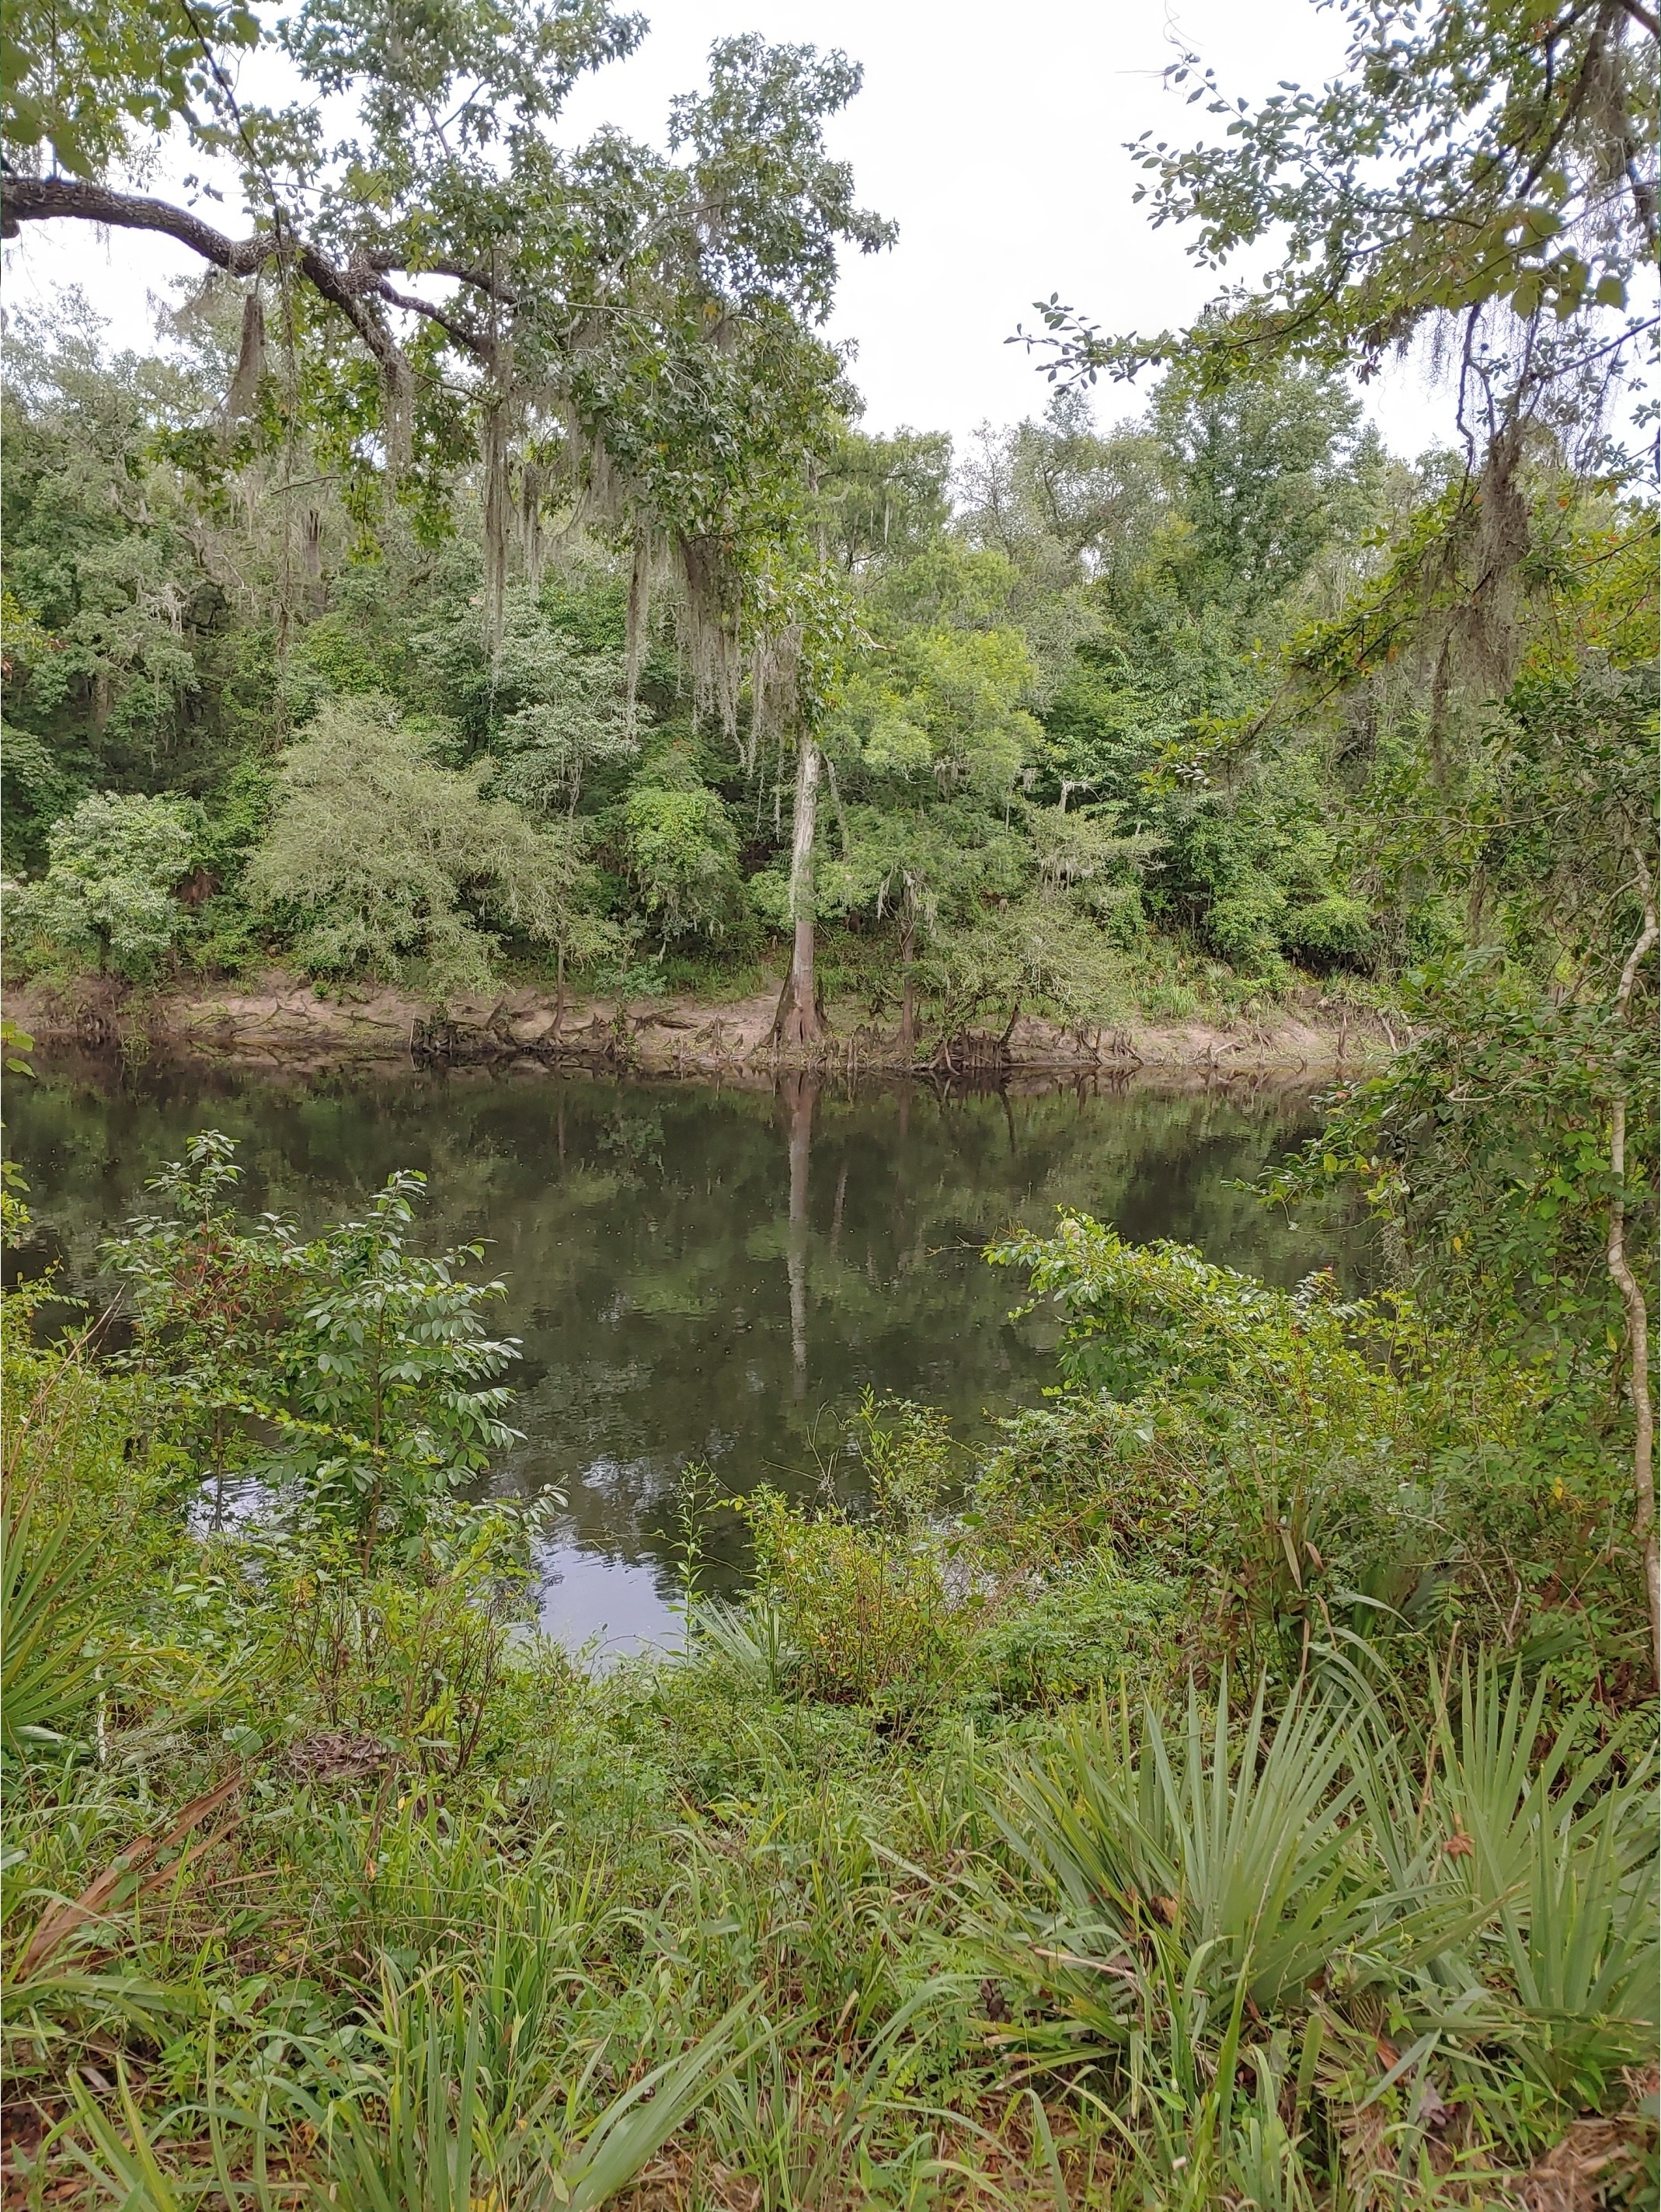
(279, 1017)
(819, 1893)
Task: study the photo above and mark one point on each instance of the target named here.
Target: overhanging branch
(353, 289)
(50, 199)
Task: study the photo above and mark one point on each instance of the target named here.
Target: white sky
(993, 135)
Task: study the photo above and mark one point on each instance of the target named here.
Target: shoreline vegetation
(1243, 1763)
(1230, 1787)
(282, 1016)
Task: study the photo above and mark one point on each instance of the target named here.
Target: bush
(1335, 931)
(393, 866)
(1084, 1631)
(1313, 1466)
(1245, 925)
(866, 1614)
(107, 890)
(360, 1368)
(1118, 908)
(1086, 1471)
(1432, 929)
(1039, 954)
(683, 854)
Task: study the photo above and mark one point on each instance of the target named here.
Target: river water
(699, 1274)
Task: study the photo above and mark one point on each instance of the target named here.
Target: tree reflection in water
(700, 1273)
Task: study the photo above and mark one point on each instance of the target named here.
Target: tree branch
(47, 199)
(464, 334)
(480, 279)
(50, 199)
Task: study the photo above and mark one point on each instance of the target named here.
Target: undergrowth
(1213, 1795)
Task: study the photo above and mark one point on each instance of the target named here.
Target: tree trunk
(1638, 1370)
(797, 1021)
(1638, 1319)
(908, 989)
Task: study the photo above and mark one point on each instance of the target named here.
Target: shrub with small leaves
(108, 889)
(866, 1614)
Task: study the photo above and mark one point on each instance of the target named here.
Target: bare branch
(475, 341)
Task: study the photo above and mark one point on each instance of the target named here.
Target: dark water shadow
(700, 1273)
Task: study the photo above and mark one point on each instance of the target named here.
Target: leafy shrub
(1039, 953)
(367, 1367)
(390, 1371)
(391, 866)
(1245, 925)
(866, 1615)
(1121, 913)
(1087, 1471)
(1432, 929)
(1322, 1465)
(683, 854)
(906, 1451)
(107, 890)
(1082, 1632)
(1334, 931)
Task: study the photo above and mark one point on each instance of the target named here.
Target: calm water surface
(696, 1273)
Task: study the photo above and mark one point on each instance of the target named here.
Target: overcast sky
(993, 135)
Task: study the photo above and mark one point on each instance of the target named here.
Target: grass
(1055, 1850)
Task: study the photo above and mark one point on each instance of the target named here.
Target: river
(699, 1274)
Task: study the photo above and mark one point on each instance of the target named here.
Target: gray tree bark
(797, 1021)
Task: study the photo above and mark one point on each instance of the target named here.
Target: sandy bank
(279, 1016)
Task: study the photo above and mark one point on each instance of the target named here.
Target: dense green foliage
(1237, 1786)
(1035, 789)
(856, 1882)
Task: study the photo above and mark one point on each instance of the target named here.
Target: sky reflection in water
(698, 1273)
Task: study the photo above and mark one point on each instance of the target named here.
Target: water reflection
(800, 1094)
(698, 1273)
(603, 1607)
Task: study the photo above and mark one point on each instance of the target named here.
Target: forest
(1227, 1781)
(238, 733)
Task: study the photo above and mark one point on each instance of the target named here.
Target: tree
(798, 1020)
(607, 329)
(391, 1374)
(1262, 473)
(208, 1299)
(628, 330)
(94, 83)
(1483, 173)
(1060, 501)
(384, 859)
(550, 713)
(1512, 1149)
(1158, 570)
(682, 851)
(883, 500)
(113, 865)
(929, 745)
(1483, 162)
(115, 662)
